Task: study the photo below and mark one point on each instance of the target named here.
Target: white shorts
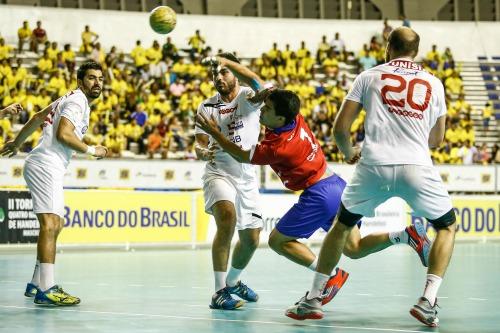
(420, 186)
(244, 196)
(46, 187)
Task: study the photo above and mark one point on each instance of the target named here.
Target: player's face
(92, 83)
(268, 116)
(224, 81)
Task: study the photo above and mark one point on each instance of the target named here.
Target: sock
(233, 276)
(36, 274)
(431, 287)
(220, 280)
(318, 285)
(398, 237)
(46, 276)
(312, 266)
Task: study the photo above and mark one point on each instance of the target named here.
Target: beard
(226, 88)
(94, 93)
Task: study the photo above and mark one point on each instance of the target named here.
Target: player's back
(49, 151)
(402, 103)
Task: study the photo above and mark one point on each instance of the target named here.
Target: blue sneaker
(31, 290)
(244, 292)
(55, 296)
(223, 300)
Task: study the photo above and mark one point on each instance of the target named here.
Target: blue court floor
(169, 291)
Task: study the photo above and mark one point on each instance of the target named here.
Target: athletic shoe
(333, 285)
(418, 240)
(31, 290)
(223, 300)
(425, 313)
(306, 309)
(244, 292)
(55, 296)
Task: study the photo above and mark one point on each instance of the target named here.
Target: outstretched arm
(243, 73)
(11, 109)
(210, 127)
(10, 148)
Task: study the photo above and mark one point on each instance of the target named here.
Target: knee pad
(347, 218)
(444, 221)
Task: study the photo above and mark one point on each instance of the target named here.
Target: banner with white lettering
(18, 223)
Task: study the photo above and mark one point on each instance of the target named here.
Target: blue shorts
(316, 208)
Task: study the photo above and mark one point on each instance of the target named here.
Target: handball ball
(162, 19)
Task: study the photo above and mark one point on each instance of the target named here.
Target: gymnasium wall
(248, 36)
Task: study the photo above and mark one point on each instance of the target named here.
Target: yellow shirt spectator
(452, 135)
(52, 53)
(5, 50)
(153, 55)
(133, 131)
(139, 56)
(68, 55)
(24, 32)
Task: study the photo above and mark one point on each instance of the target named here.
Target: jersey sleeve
(358, 87)
(204, 111)
(263, 154)
(247, 94)
(73, 110)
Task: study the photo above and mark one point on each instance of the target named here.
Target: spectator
(468, 153)
(89, 38)
(44, 64)
(386, 31)
(323, 49)
(69, 57)
(155, 144)
(153, 54)
(367, 61)
(97, 54)
(23, 35)
(337, 43)
(5, 50)
(169, 50)
(39, 36)
(487, 113)
(405, 21)
(197, 43)
(272, 53)
(139, 55)
(484, 155)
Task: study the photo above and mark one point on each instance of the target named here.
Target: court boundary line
(131, 314)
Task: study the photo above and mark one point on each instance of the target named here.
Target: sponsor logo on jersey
(84, 129)
(226, 111)
(405, 64)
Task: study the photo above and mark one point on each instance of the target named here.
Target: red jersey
(295, 155)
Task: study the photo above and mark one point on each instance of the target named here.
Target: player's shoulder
(211, 102)
(76, 96)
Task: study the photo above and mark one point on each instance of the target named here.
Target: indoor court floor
(169, 291)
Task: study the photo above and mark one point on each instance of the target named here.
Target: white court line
(400, 295)
(136, 285)
(263, 290)
(129, 314)
(477, 299)
(199, 287)
(102, 284)
(167, 286)
(364, 294)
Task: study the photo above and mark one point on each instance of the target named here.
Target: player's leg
(292, 249)
(424, 191)
(362, 195)
(249, 224)
(414, 236)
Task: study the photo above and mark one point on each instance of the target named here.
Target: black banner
(18, 223)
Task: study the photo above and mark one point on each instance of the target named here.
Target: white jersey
(402, 103)
(73, 106)
(239, 122)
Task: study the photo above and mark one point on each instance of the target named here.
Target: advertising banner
(18, 223)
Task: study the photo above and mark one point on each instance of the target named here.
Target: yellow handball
(162, 19)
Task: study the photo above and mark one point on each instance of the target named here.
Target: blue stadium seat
(495, 57)
(487, 77)
(492, 96)
(484, 68)
(490, 86)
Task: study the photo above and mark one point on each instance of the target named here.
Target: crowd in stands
(152, 92)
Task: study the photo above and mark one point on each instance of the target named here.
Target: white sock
(318, 285)
(312, 266)
(220, 280)
(36, 274)
(233, 276)
(398, 237)
(431, 287)
(46, 276)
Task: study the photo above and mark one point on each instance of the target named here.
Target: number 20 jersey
(402, 103)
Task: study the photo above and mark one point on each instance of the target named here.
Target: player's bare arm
(10, 148)
(210, 126)
(243, 73)
(342, 130)
(65, 134)
(436, 135)
(11, 109)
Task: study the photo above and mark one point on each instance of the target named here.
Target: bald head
(403, 42)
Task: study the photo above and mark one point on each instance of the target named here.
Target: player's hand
(354, 155)
(12, 109)
(210, 61)
(209, 125)
(9, 149)
(261, 96)
(206, 154)
(100, 152)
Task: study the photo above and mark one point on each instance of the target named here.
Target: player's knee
(275, 243)
(445, 222)
(51, 225)
(347, 218)
(352, 251)
(250, 242)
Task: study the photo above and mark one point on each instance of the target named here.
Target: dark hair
(404, 41)
(229, 56)
(80, 74)
(286, 104)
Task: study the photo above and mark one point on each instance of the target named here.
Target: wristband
(90, 150)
